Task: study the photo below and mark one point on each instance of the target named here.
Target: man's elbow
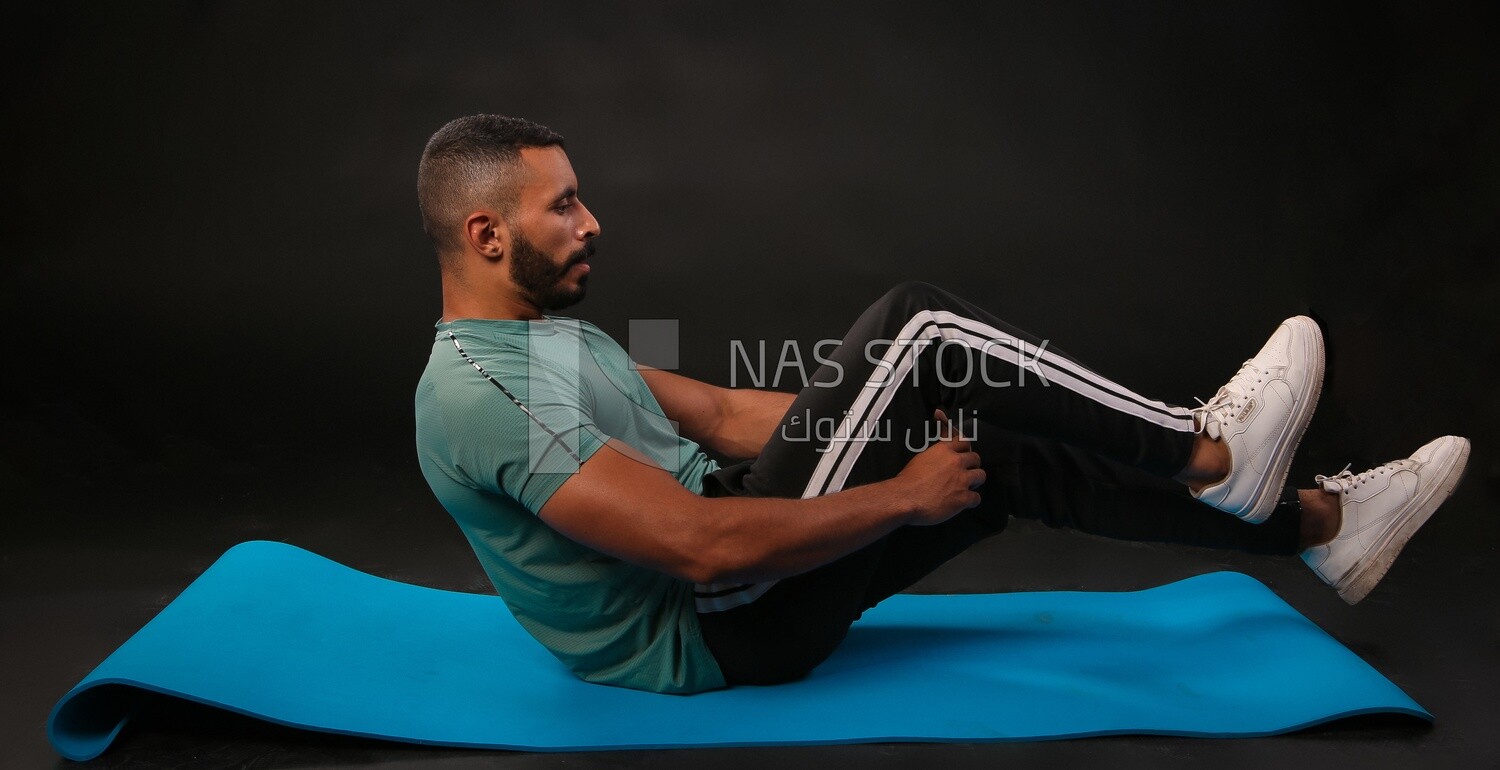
(703, 572)
(710, 545)
(722, 562)
(697, 572)
(695, 565)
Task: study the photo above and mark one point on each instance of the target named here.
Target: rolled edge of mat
(86, 721)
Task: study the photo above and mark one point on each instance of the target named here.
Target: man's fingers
(977, 477)
(949, 433)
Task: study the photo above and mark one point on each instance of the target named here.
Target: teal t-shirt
(493, 468)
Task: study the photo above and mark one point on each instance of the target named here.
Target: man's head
(499, 200)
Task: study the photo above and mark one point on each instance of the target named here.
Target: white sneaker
(1261, 415)
(1382, 508)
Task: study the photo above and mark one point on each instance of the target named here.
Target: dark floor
(87, 574)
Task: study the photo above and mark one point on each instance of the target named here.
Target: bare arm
(733, 422)
(641, 514)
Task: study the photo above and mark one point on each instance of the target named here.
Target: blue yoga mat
(279, 633)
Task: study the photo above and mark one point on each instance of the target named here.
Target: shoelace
(1343, 481)
(1227, 401)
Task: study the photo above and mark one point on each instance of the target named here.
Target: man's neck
(460, 303)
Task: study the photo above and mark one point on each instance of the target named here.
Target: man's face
(552, 233)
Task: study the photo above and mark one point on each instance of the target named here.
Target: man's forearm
(750, 419)
(748, 539)
(635, 511)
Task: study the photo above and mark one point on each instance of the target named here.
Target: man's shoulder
(542, 369)
(460, 359)
(455, 390)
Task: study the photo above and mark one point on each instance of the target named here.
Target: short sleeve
(495, 444)
(555, 440)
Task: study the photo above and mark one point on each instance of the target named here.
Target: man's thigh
(828, 439)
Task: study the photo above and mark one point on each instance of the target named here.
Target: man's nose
(590, 228)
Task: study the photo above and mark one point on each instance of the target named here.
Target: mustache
(580, 255)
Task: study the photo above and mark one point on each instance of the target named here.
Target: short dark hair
(468, 162)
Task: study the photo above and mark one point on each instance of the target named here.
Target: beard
(540, 280)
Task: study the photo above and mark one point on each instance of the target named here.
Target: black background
(218, 297)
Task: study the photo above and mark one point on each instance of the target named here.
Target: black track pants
(1059, 443)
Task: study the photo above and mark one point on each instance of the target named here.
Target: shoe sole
(1269, 494)
(1362, 579)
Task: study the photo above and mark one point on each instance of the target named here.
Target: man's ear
(487, 234)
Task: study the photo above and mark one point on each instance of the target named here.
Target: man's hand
(940, 481)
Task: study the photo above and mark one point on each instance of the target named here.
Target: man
(621, 547)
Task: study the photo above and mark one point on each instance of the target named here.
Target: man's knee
(913, 294)
(902, 302)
